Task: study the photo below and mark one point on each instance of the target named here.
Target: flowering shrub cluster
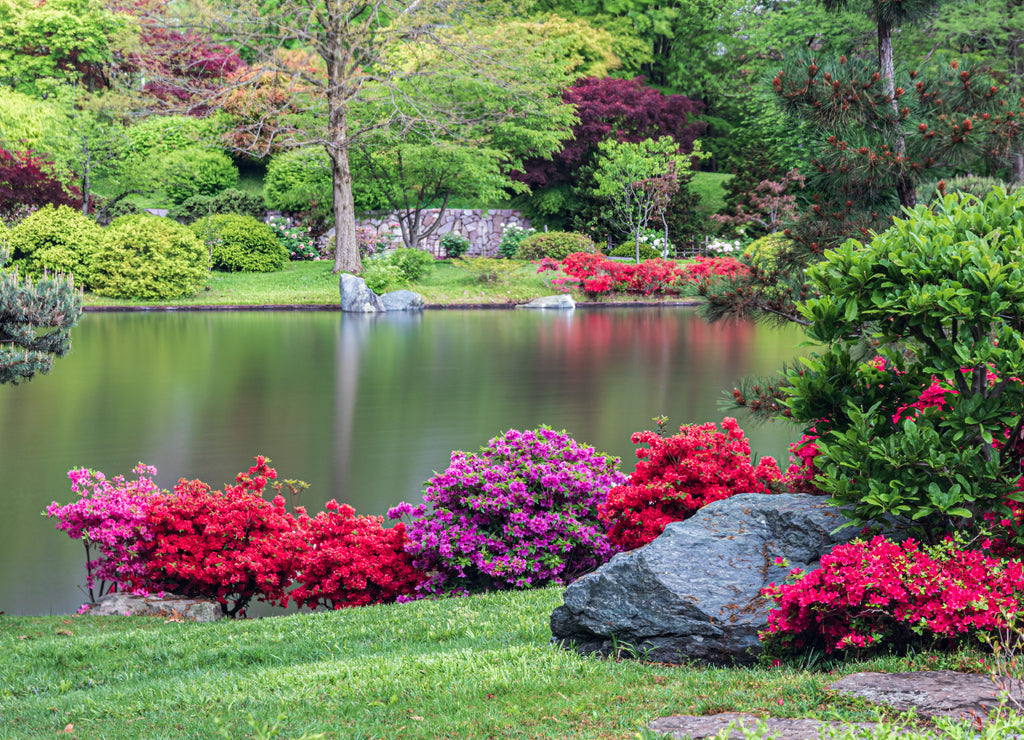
(229, 546)
(677, 475)
(511, 237)
(869, 593)
(347, 560)
(522, 512)
(110, 515)
(596, 275)
(301, 244)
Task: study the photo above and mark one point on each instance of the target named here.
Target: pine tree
(36, 318)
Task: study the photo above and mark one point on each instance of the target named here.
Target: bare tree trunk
(905, 188)
(346, 248)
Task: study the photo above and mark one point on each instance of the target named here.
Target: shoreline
(682, 303)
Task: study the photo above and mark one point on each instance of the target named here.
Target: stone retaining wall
(483, 228)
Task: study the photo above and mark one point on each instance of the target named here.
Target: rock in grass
(169, 606)
(356, 297)
(694, 593)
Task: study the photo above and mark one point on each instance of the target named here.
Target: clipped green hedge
(240, 243)
(149, 258)
(56, 239)
(555, 244)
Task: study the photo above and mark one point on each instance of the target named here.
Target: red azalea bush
(597, 275)
(868, 593)
(230, 546)
(677, 475)
(347, 560)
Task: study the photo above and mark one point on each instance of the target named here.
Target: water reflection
(362, 408)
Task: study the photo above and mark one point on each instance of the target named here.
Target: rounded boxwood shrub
(198, 171)
(629, 250)
(554, 244)
(240, 243)
(56, 239)
(149, 258)
(520, 513)
(231, 200)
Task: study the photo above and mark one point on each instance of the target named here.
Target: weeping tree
(36, 319)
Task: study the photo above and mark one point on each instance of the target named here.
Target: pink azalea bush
(520, 513)
(109, 515)
(866, 594)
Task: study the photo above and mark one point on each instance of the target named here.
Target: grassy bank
(312, 283)
(478, 667)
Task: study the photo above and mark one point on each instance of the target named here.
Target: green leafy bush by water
(554, 244)
(299, 181)
(149, 258)
(240, 243)
(57, 240)
(396, 269)
(231, 200)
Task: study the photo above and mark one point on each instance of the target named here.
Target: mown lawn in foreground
(477, 667)
(313, 284)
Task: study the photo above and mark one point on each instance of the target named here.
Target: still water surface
(364, 409)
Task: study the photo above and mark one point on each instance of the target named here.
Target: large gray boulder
(402, 300)
(170, 606)
(560, 302)
(356, 297)
(694, 593)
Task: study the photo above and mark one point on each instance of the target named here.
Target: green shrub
(629, 250)
(454, 245)
(555, 244)
(382, 276)
(763, 253)
(414, 263)
(155, 136)
(299, 181)
(231, 200)
(197, 171)
(123, 207)
(149, 258)
(511, 237)
(976, 185)
(940, 298)
(240, 243)
(60, 239)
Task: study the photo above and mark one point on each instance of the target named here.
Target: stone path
(929, 693)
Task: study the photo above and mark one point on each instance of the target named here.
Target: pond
(362, 408)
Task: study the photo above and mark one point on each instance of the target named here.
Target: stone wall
(483, 228)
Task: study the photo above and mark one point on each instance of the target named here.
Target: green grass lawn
(312, 283)
(476, 667)
(710, 186)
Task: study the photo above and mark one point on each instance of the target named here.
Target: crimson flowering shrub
(347, 560)
(110, 515)
(597, 275)
(678, 475)
(522, 512)
(229, 546)
(866, 594)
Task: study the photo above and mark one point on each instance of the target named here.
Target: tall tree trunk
(905, 188)
(346, 248)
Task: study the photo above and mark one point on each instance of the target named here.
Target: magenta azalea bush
(110, 516)
(520, 513)
(869, 594)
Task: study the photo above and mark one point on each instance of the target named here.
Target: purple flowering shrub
(521, 513)
(109, 515)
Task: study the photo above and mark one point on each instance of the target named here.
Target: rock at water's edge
(356, 297)
(550, 301)
(402, 300)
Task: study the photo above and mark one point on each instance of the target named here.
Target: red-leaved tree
(28, 182)
(611, 108)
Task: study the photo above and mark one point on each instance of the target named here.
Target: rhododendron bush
(597, 275)
(869, 594)
(677, 475)
(521, 512)
(347, 560)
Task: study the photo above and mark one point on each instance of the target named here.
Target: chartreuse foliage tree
(939, 298)
(36, 319)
